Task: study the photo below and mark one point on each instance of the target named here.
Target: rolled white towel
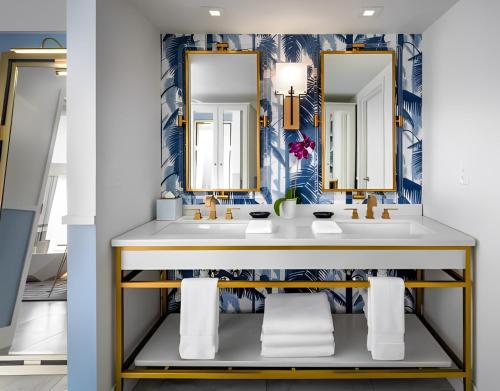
(298, 351)
(285, 340)
(297, 313)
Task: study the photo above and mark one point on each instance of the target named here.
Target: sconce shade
(291, 74)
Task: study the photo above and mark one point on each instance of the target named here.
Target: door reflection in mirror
(358, 121)
(222, 134)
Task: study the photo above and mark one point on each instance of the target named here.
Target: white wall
(33, 15)
(128, 161)
(81, 95)
(461, 103)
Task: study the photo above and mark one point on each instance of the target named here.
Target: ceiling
(239, 72)
(292, 16)
(32, 15)
(346, 75)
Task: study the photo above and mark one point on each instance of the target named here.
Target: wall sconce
(43, 49)
(291, 81)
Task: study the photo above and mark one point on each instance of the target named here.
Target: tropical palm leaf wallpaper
(277, 170)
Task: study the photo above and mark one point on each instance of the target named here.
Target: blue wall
(278, 170)
(82, 308)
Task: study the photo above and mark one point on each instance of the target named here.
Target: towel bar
(292, 284)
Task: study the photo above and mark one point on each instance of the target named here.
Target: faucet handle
(229, 213)
(355, 214)
(385, 213)
(197, 214)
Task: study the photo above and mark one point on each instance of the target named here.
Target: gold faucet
(229, 213)
(211, 202)
(372, 202)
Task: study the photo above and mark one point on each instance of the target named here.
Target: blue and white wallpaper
(277, 170)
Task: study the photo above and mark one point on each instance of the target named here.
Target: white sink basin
(391, 228)
(204, 229)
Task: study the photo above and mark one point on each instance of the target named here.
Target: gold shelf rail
(292, 284)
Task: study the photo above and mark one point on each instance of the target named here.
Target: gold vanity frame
(124, 368)
(9, 66)
(185, 121)
(394, 119)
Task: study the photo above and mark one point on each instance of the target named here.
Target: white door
(375, 133)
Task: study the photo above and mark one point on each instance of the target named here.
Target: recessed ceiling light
(215, 12)
(371, 11)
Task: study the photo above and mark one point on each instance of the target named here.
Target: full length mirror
(223, 105)
(33, 90)
(358, 127)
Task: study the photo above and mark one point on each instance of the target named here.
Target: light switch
(463, 178)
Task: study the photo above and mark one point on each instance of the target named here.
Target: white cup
(288, 208)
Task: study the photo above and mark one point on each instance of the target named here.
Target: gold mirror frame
(9, 69)
(187, 116)
(323, 122)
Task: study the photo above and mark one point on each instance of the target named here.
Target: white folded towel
(284, 340)
(199, 318)
(386, 318)
(298, 351)
(297, 313)
(259, 227)
(325, 227)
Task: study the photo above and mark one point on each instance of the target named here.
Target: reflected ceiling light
(61, 72)
(215, 11)
(371, 11)
(39, 50)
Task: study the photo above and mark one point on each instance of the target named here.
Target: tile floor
(59, 383)
(41, 329)
(34, 383)
(297, 385)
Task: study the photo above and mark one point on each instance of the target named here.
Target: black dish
(260, 215)
(323, 215)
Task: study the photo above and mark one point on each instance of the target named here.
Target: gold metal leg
(163, 295)
(420, 294)
(467, 314)
(119, 321)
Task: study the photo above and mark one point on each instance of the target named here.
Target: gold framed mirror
(222, 112)
(32, 106)
(358, 106)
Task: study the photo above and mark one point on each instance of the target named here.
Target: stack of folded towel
(297, 325)
(384, 309)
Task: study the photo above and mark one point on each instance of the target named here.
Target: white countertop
(296, 232)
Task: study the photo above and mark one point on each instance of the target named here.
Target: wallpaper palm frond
(278, 170)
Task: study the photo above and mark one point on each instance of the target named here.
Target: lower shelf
(239, 336)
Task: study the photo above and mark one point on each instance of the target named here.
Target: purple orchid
(302, 149)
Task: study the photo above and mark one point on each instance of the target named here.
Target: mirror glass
(32, 119)
(358, 121)
(223, 108)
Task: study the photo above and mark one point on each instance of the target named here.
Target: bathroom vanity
(403, 242)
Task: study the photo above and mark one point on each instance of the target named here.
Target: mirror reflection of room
(358, 121)
(33, 241)
(223, 121)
